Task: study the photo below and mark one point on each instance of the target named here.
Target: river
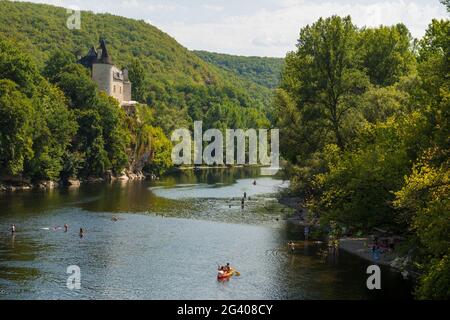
(168, 239)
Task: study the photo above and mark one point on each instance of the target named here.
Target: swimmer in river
(114, 218)
(254, 182)
(291, 246)
(66, 227)
(245, 195)
(81, 232)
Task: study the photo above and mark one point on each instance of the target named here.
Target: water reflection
(168, 239)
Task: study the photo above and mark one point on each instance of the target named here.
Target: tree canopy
(364, 118)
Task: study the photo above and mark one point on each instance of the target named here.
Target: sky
(258, 27)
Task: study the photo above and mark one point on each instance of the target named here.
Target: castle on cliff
(108, 77)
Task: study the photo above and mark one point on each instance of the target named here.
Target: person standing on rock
(13, 229)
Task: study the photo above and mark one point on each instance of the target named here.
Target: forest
(178, 85)
(56, 124)
(265, 71)
(363, 113)
(364, 118)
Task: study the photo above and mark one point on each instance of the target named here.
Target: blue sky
(258, 27)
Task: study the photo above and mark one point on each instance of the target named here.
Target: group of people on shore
(380, 247)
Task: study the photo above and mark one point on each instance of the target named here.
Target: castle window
(120, 89)
(114, 89)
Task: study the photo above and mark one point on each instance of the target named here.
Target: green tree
(15, 134)
(289, 122)
(138, 78)
(53, 127)
(386, 53)
(380, 103)
(90, 143)
(323, 76)
(114, 131)
(424, 200)
(356, 189)
(17, 67)
(57, 61)
(161, 156)
(76, 83)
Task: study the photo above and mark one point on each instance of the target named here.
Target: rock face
(46, 185)
(130, 175)
(15, 187)
(73, 183)
(125, 175)
(93, 180)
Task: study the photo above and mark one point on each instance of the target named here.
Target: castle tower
(108, 77)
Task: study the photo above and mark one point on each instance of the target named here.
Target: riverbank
(359, 246)
(394, 259)
(13, 185)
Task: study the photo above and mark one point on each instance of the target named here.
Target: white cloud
(160, 7)
(273, 33)
(212, 7)
(259, 27)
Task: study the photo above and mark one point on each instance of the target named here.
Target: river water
(168, 239)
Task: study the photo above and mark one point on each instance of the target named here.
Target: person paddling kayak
(225, 272)
(225, 268)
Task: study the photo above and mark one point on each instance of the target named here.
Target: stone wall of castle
(127, 91)
(108, 79)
